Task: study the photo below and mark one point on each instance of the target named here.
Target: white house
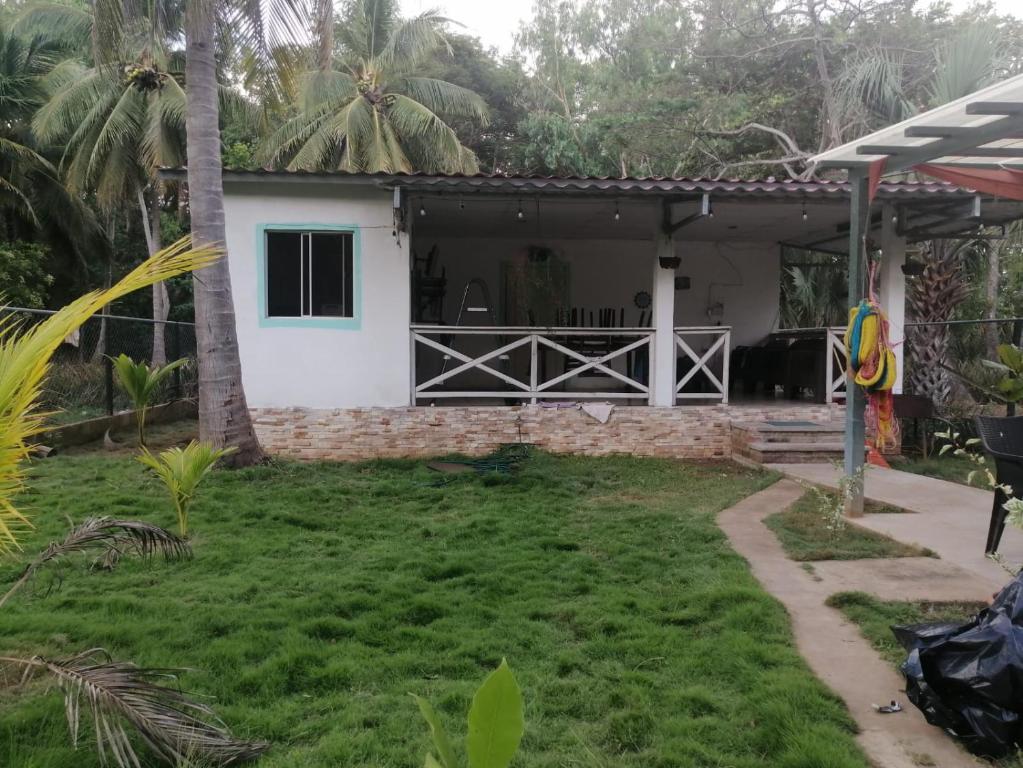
(405, 315)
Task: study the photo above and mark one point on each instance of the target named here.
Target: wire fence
(81, 383)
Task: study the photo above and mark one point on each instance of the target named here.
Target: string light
(521, 216)
(461, 203)
(710, 210)
(805, 215)
(422, 208)
(618, 215)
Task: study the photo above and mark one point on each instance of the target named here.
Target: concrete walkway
(834, 648)
(950, 518)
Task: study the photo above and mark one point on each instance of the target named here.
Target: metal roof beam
(910, 155)
(937, 131)
(670, 227)
(994, 108)
(1009, 153)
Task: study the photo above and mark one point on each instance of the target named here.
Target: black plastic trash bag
(968, 678)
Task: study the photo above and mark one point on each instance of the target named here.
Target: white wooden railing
(714, 356)
(836, 364)
(590, 350)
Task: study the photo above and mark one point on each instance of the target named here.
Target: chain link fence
(82, 385)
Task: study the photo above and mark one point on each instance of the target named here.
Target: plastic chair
(1002, 438)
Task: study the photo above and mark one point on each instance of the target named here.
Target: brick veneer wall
(691, 432)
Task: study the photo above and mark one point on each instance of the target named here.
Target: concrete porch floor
(949, 518)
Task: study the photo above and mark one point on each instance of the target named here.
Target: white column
(893, 286)
(662, 362)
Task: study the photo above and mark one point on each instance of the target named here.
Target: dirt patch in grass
(804, 533)
(125, 441)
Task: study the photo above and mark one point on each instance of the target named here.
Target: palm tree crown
(368, 111)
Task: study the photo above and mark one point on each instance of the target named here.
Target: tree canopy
(600, 87)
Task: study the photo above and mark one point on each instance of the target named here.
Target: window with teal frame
(309, 276)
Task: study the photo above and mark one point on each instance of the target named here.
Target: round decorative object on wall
(642, 300)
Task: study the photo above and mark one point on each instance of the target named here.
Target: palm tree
(223, 411)
(119, 120)
(372, 113)
(876, 88)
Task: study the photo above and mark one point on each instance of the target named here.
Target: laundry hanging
(872, 363)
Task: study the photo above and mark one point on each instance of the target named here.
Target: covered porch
(638, 291)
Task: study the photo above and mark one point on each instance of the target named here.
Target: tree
(375, 113)
(34, 203)
(119, 120)
(876, 89)
(224, 417)
(932, 298)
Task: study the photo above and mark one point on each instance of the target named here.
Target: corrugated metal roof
(769, 186)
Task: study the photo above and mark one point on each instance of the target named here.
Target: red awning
(1000, 183)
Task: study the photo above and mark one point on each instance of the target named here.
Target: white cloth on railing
(599, 411)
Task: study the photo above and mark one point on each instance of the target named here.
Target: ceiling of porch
(806, 222)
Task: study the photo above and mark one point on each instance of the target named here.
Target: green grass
(955, 469)
(321, 594)
(805, 537)
(875, 617)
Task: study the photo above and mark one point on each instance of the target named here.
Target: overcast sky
(495, 22)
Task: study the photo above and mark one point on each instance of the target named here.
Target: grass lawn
(320, 594)
(955, 469)
(805, 537)
(876, 617)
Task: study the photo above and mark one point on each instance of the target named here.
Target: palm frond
(413, 122)
(175, 727)
(326, 87)
(108, 539)
(24, 362)
(76, 90)
(444, 98)
(873, 81)
(121, 128)
(289, 138)
(162, 143)
(268, 32)
(181, 470)
(367, 27)
(411, 41)
(71, 24)
(966, 63)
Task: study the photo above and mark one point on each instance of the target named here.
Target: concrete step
(802, 433)
(794, 453)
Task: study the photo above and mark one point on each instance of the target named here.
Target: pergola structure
(974, 142)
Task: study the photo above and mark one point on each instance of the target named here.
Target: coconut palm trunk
(933, 298)
(223, 412)
(161, 300)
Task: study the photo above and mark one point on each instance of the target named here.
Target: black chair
(1002, 438)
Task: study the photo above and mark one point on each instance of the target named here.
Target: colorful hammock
(872, 364)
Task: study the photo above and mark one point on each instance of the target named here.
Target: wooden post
(534, 367)
(893, 286)
(662, 358)
(855, 433)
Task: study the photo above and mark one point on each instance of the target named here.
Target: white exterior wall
(744, 277)
(603, 273)
(322, 367)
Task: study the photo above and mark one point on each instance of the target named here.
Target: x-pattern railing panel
(836, 365)
(623, 341)
(702, 362)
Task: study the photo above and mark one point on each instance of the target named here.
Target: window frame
(308, 321)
